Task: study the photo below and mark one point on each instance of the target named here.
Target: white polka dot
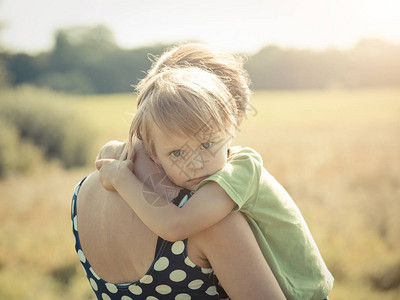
(126, 298)
(73, 206)
(111, 287)
(212, 290)
(178, 247)
(146, 279)
(76, 223)
(151, 298)
(177, 275)
(182, 297)
(77, 189)
(136, 290)
(163, 289)
(94, 273)
(195, 284)
(207, 270)
(104, 296)
(161, 264)
(93, 284)
(81, 256)
(189, 262)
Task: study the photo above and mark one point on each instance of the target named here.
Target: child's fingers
(103, 162)
(99, 163)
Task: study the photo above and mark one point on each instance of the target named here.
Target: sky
(232, 25)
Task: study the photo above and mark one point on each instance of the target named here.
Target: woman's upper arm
(236, 258)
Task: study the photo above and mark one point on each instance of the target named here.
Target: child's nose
(197, 162)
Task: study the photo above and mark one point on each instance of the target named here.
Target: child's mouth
(197, 179)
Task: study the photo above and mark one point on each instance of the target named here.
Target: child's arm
(207, 206)
(144, 166)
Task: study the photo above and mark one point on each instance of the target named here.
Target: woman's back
(118, 245)
(119, 256)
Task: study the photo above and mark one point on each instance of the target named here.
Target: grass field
(337, 152)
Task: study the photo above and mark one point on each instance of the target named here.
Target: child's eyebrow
(173, 146)
(170, 148)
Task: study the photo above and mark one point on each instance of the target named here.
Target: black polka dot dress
(172, 275)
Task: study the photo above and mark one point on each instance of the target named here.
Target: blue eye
(176, 153)
(206, 145)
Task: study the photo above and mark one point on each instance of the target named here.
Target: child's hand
(111, 150)
(111, 170)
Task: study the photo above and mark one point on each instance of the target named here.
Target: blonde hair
(228, 67)
(181, 102)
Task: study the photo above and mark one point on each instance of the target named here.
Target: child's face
(187, 161)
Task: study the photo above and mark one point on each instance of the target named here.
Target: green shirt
(277, 224)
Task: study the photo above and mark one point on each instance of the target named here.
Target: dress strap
(158, 246)
(178, 201)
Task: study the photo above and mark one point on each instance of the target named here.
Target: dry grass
(336, 152)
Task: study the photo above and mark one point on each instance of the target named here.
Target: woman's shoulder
(88, 185)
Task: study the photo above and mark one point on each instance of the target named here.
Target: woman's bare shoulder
(91, 189)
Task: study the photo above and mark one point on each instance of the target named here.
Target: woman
(121, 249)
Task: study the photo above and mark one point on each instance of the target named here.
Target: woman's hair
(181, 101)
(228, 67)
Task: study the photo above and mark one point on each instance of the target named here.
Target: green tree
(80, 46)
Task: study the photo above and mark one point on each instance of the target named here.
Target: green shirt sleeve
(240, 177)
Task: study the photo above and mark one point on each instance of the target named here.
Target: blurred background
(326, 82)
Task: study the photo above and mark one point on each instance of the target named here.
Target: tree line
(88, 60)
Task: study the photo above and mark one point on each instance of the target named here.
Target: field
(337, 152)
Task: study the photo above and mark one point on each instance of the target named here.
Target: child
(186, 119)
(228, 68)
